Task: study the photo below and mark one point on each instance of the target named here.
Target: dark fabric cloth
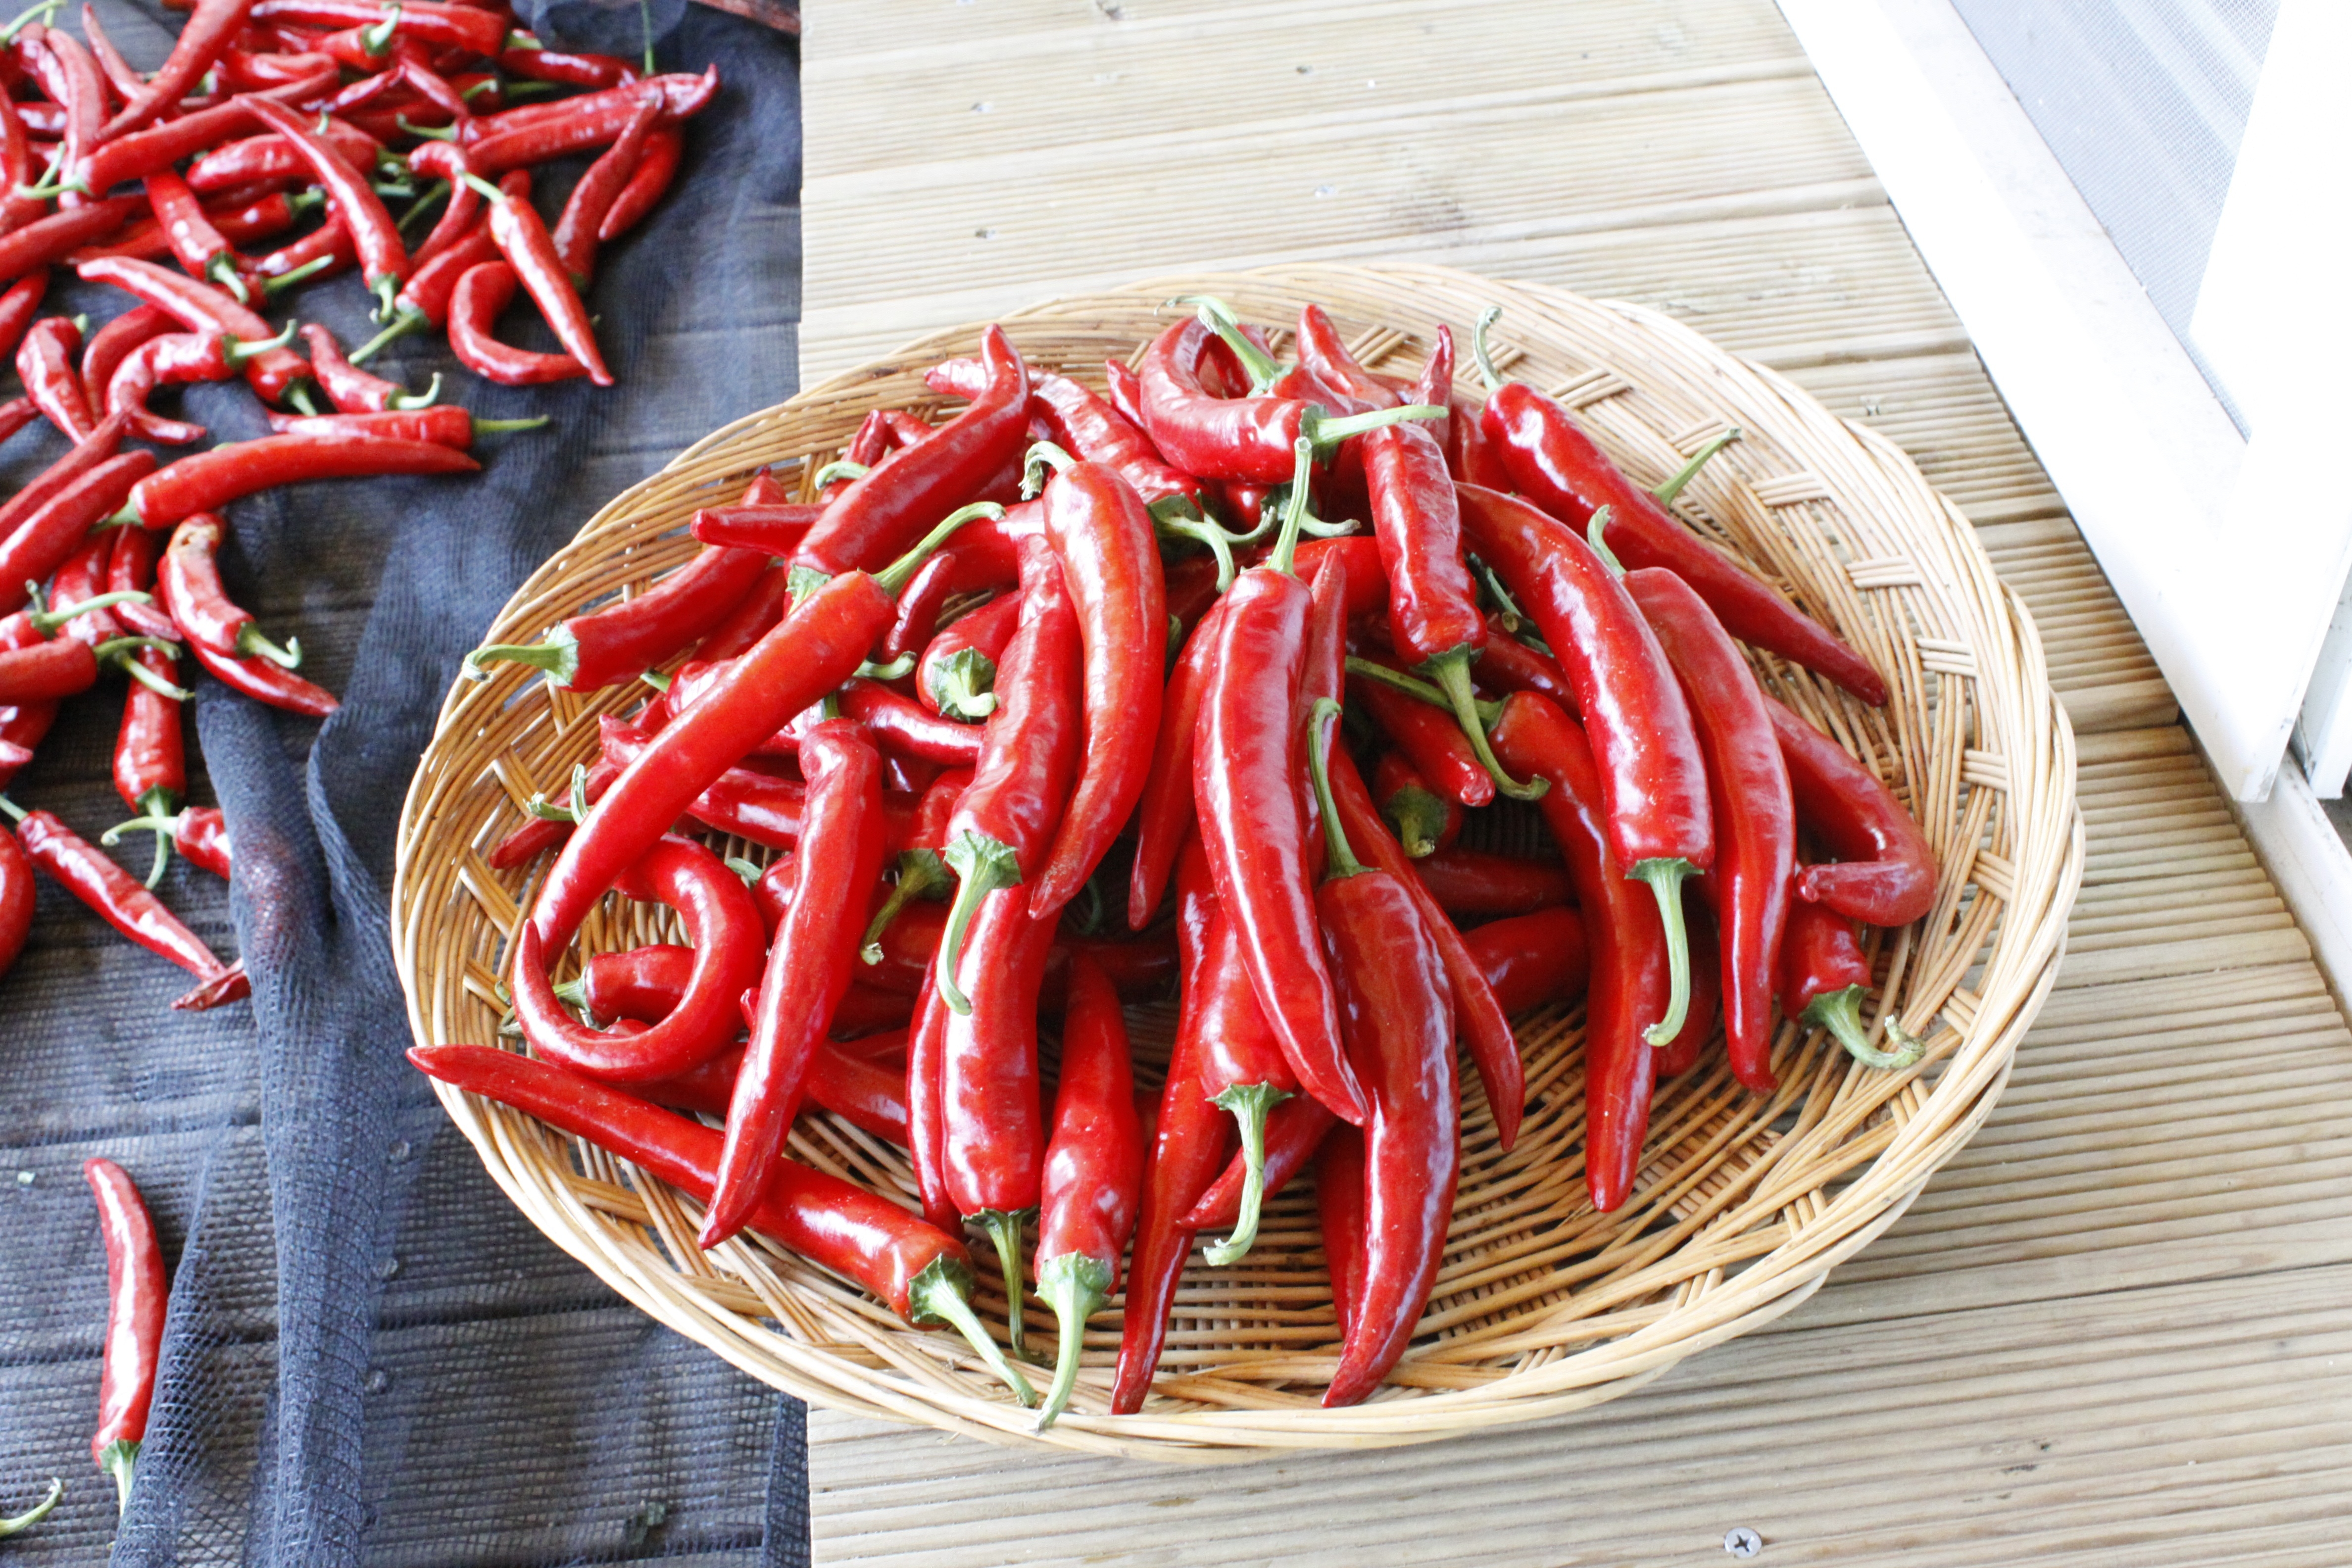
(371, 1357)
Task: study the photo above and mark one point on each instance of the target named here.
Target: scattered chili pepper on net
(351, 389)
(1885, 873)
(1558, 468)
(1029, 754)
(177, 358)
(1652, 774)
(252, 160)
(264, 681)
(1824, 978)
(1755, 814)
(82, 870)
(1631, 974)
(522, 238)
(151, 766)
(576, 231)
(45, 363)
(384, 258)
(808, 967)
(208, 481)
(1424, 821)
(483, 291)
(200, 605)
(1093, 1172)
(922, 1272)
(209, 30)
(445, 425)
(429, 299)
(199, 832)
(65, 666)
(111, 344)
(493, 143)
(199, 247)
(44, 539)
(138, 1287)
(664, 149)
(956, 676)
(200, 308)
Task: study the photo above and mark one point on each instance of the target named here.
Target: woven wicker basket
(1744, 1203)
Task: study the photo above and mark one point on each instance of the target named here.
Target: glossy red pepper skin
(475, 29)
(201, 308)
(45, 363)
(883, 513)
(16, 414)
(84, 871)
(17, 900)
(724, 927)
(481, 294)
(592, 197)
(1341, 1219)
(112, 343)
(951, 574)
(1557, 466)
(200, 248)
(1506, 664)
(267, 682)
(862, 1091)
(1094, 1167)
(1754, 814)
(1682, 1053)
(952, 685)
(1474, 882)
(1123, 390)
(775, 529)
(1432, 604)
(430, 294)
(41, 541)
(151, 759)
(81, 579)
(351, 389)
(141, 152)
(1885, 872)
(622, 641)
(1399, 1020)
(1424, 821)
(1633, 712)
(522, 238)
(67, 73)
(492, 144)
(1824, 977)
(901, 725)
(383, 257)
(1533, 959)
(656, 167)
(1429, 735)
(209, 30)
(1244, 788)
(1164, 814)
(1629, 971)
(569, 67)
(47, 671)
(48, 239)
(927, 1041)
(201, 607)
(138, 1288)
(1111, 562)
(1084, 425)
(229, 165)
(174, 359)
(237, 221)
(201, 837)
(444, 423)
(1208, 435)
(19, 305)
(808, 968)
(210, 480)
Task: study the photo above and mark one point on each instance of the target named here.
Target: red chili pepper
(16, 899)
(1340, 1218)
(238, 221)
(887, 509)
(530, 250)
(45, 362)
(201, 308)
(209, 30)
(1754, 816)
(922, 1272)
(81, 869)
(1083, 424)
(570, 68)
(535, 134)
(1681, 1054)
(810, 653)
(130, 569)
(920, 872)
(141, 152)
(351, 389)
(265, 682)
(178, 358)
(754, 805)
(19, 307)
(1558, 468)
(1324, 354)
(430, 296)
(902, 726)
(201, 607)
(1424, 820)
(199, 832)
(1661, 827)
(593, 197)
(950, 575)
(1250, 822)
(927, 1039)
(229, 165)
(46, 240)
(1824, 979)
(461, 218)
(112, 343)
(323, 253)
(1094, 1169)
(82, 579)
(1111, 562)
(860, 1088)
(207, 480)
(956, 678)
(1631, 976)
(151, 767)
(1509, 665)
(808, 968)
(69, 75)
(1396, 1010)
(1429, 735)
(656, 167)
(201, 248)
(1886, 870)
(621, 642)
(1533, 959)
(351, 197)
(56, 527)
(1474, 882)
(138, 1288)
(477, 31)
(1164, 815)
(1020, 784)
(1124, 392)
(773, 529)
(444, 423)
(16, 414)
(481, 294)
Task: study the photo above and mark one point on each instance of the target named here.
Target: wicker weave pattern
(1543, 1307)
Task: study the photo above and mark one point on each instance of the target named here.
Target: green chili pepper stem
(942, 1293)
(960, 682)
(1420, 690)
(922, 873)
(1326, 431)
(432, 395)
(1665, 493)
(1478, 349)
(559, 656)
(1249, 1102)
(749, 871)
(1418, 816)
(430, 132)
(387, 290)
(15, 813)
(483, 188)
(1042, 456)
(841, 468)
(406, 324)
(119, 1459)
(222, 269)
(574, 993)
(1839, 1011)
(902, 665)
(377, 38)
(1665, 879)
(1262, 368)
(40, 13)
(298, 396)
(238, 351)
(494, 427)
(48, 621)
(893, 579)
(1341, 856)
(34, 1514)
(646, 26)
(1219, 542)
(424, 203)
(1003, 1228)
(171, 825)
(984, 866)
(1077, 1286)
(287, 280)
(1451, 670)
(1284, 558)
(1596, 534)
(158, 806)
(118, 651)
(252, 642)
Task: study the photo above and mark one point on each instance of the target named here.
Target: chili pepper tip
(1003, 1228)
(1250, 1102)
(1665, 879)
(942, 1293)
(1839, 1011)
(1077, 1286)
(34, 1514)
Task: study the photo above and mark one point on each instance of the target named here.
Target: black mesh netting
(372, 1357)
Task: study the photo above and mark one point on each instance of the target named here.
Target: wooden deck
(2114, 1328)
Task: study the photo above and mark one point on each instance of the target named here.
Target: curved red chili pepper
(47, 240)
(81, 869)
(1440, 753)
(351, 389)
(922, 1273)
(1558, 468)
(724, 927)
(1020, 784)
(151, 766)
(1533, 959)
(570, 68)
(492, 144)
(209, 30)
(1661, 826)
(656, 167)
(69, 75)
(201, 250)
(956, 676)
(323, 253)
(1682, 1053)
(522, 238)
(238, 221)
(1094, 1171)
(1322, 674)
(775, 529)
(266, 681)
(1630, 972)
(444, 423)
(1508, 664)
(174, 359)
(1885, 874)
(17, 900)
(1110, 564)
(1164, 815)
(807, 969)
(112, 343)
(481, 294)
(947, 576)
(429, 296)
(591, 199)
(138, 1288)
(41, 541)
(201, 308)
(1341, 1219)
(1477, 883)
(200, 605)
(1324, 354)
(623, 641)
(19, 307)
(884, 512)
(927, 1039)
(231, 166)
(208, 481)
(1124, 392)
(82, 579)
(1755, 814)
(1424, 821)
(902, 725)
(45, 362)
(1824, 979)
(383, 257)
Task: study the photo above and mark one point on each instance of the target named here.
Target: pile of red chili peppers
(262, 153)
(1064, 658)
